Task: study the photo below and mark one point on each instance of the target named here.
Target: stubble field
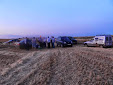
(76, 65)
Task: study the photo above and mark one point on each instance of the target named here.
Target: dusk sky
(56, 17)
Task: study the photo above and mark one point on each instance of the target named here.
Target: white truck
(100, 40)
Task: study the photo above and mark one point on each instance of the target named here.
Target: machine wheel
(86, 45)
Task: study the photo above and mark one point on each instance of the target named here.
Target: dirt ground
(76, 65)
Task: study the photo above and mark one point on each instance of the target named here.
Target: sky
(56, 17)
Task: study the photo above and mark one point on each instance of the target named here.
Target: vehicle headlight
(64, 42)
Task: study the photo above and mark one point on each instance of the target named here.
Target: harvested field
(4, 40)
(76, 65)
(9, 55)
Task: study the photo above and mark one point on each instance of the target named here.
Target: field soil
(76, 65)
(3, 40)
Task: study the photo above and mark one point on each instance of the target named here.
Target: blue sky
(56, 17)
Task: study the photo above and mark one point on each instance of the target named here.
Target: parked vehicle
(64, 41)
(16, 40)
(100, 40)
(11, 41)
(8, 42)
(22, 44)
(73, 39)
(16, 43)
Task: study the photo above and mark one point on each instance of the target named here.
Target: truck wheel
(85, 45)
(97, 45)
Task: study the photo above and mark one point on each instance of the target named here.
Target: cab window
(106, 38)
(96, 39)
(92, 40)
(110, 39)
(59, 38)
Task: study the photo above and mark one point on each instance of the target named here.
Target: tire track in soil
(62, 66)
(22, 68)
(54, 63)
